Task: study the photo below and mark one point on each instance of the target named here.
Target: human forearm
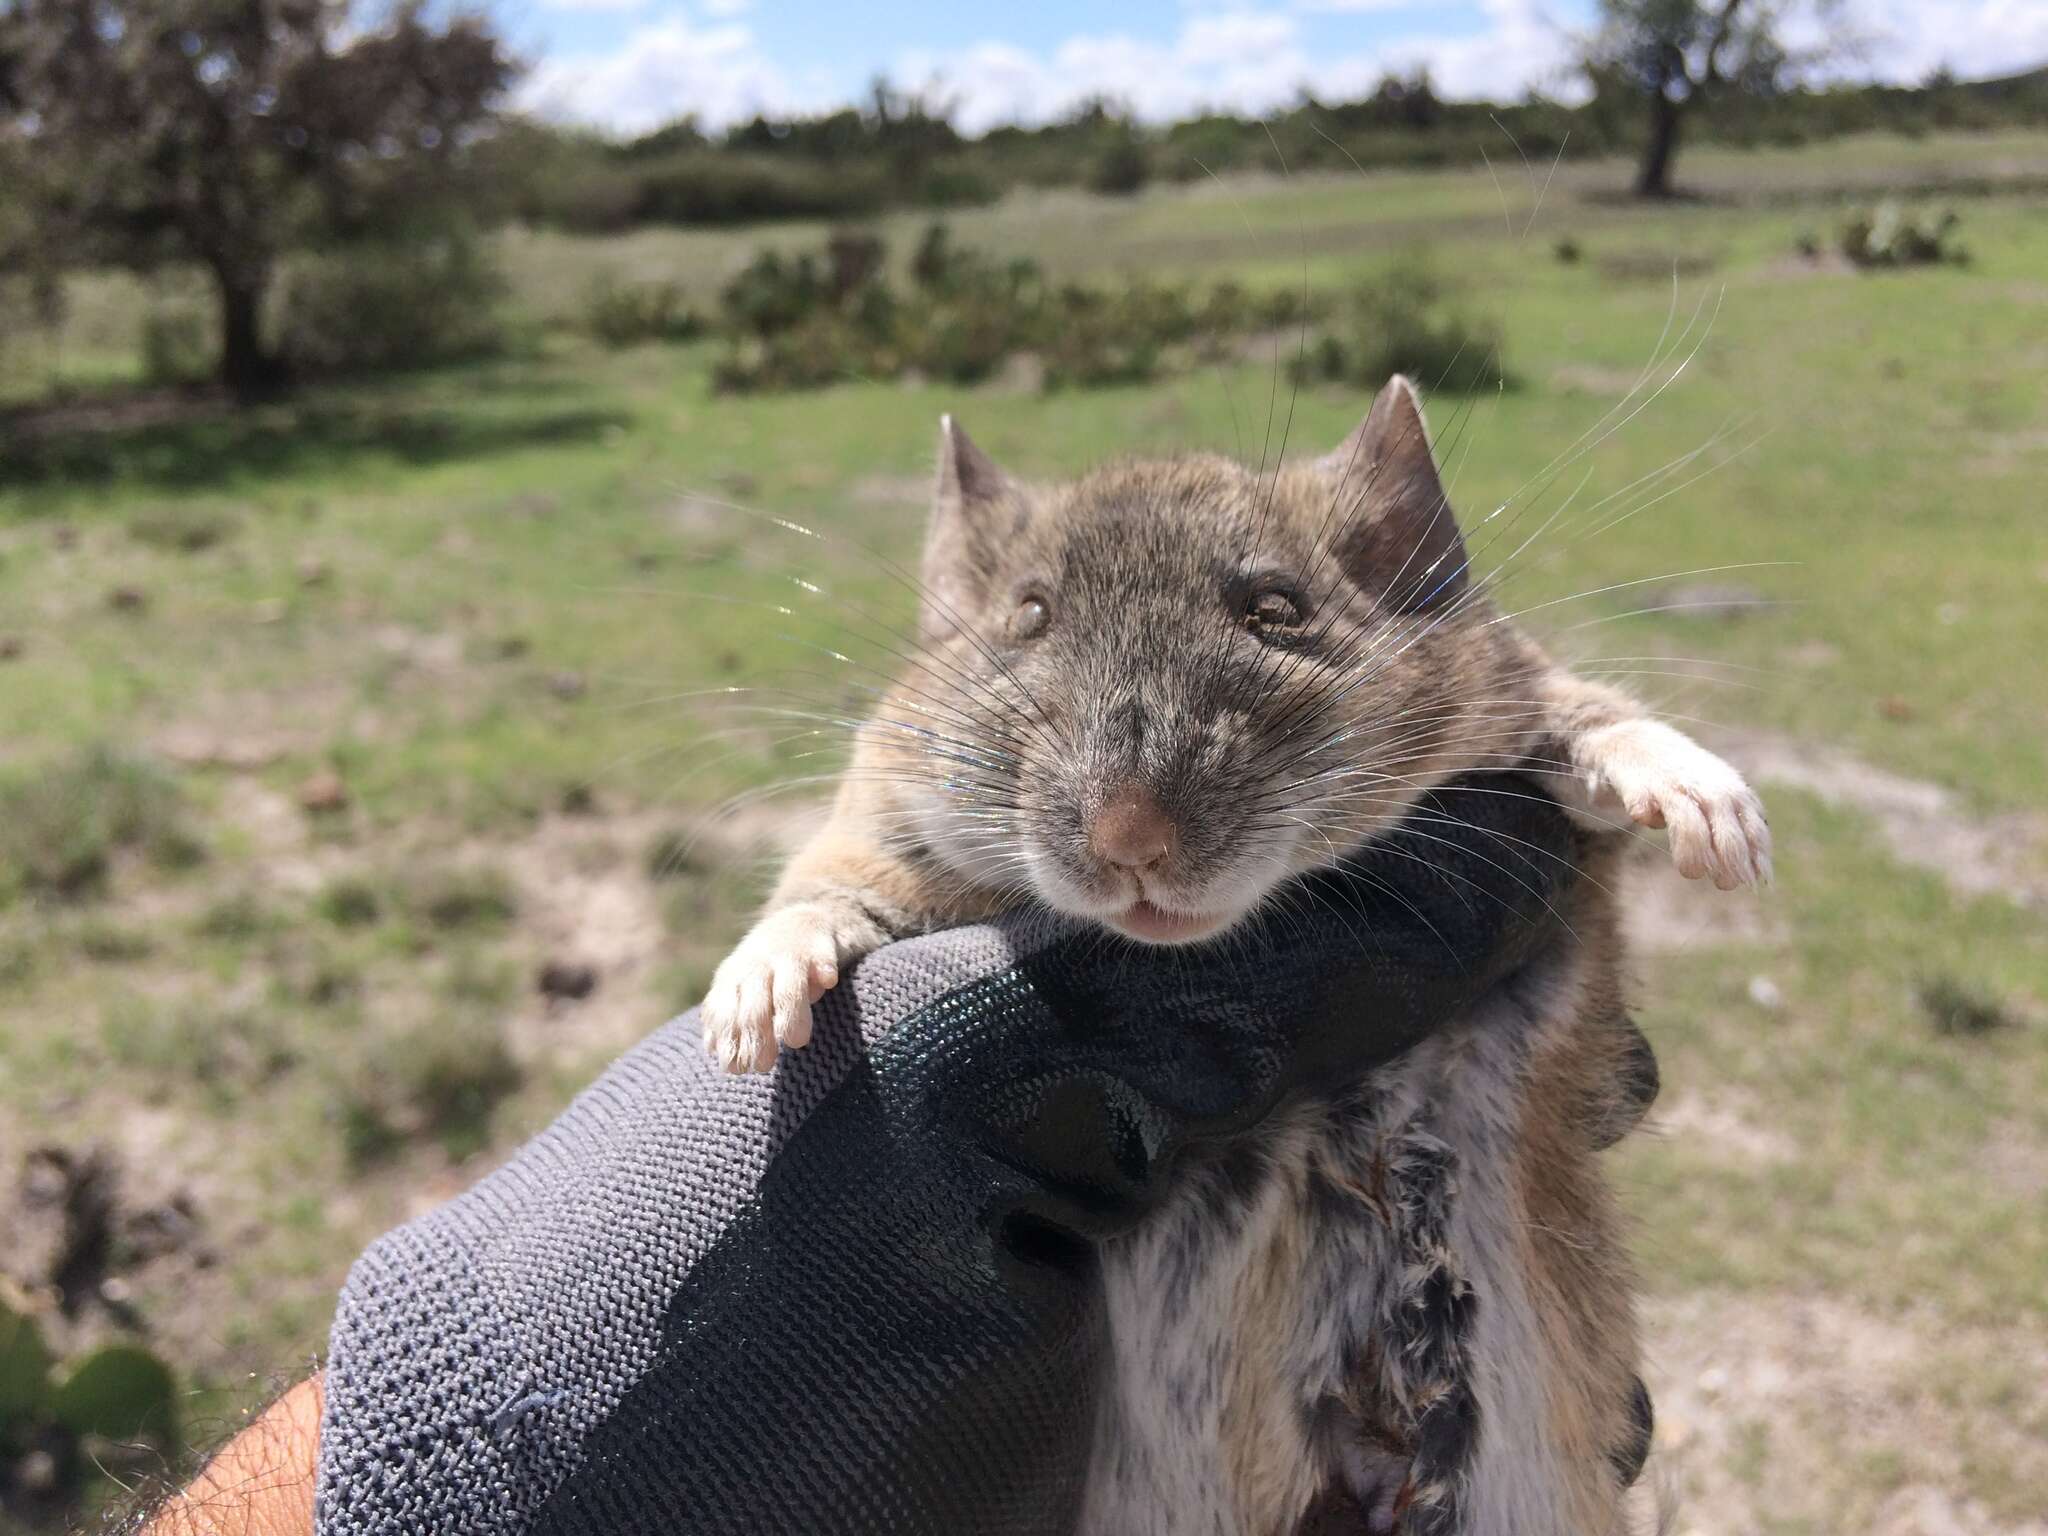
(261, 1482)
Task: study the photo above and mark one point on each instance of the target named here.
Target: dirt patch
(1820, 264)
(1924, 824)
(1727, 1127)
(2001, 453)
(1591, 379)
(196, 746)
(892, 490)
(115, 413)
(217, 729)
(1654, 266)
(585, 900)
(1779, 1412)
(92, 1225)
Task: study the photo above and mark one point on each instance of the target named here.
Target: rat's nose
(1132, 830)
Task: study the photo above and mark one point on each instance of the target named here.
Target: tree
(226, 131)
(1674, 52)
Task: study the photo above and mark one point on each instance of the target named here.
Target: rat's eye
(1273, 608)
(1030, 620)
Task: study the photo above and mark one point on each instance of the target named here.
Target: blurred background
(405, 682)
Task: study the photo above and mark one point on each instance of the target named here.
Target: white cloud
(1906, 40)
(1251, 61)
(1356, 7)
(662, 72)
(1522, 48)
(1234, 56)
(727, 7)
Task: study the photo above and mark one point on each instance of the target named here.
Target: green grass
(527, 590)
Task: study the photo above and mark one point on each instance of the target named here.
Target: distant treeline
(900, 150)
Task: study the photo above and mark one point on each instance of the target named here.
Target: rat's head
(1155, 694)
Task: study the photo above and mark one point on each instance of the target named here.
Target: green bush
(349, 902)
(795, 328)
(61, 824)
(178, 344)
(1122, 168)
(623, 314)
(1889, 236)
(81, 1420)
(956, 183)
(442, 1081)
(1403, 322)
(853, 260)
(465, 899)
(392, 304)
(796, 323)
(771, 294)
(1098, 338)
(728, 188)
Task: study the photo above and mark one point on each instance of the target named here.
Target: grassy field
(324, 728)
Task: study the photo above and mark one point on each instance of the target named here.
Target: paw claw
(760, 999)
(1664, 779)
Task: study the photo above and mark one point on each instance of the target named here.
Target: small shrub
(327, 982)
(1099, 340)
(178, 345)
(1956, 1008)
(672, 855)
(392, 304)
(111, 944)
(623, 314)
(853, 259)
(472, 979)
(78, 1420)
(186, 1044)
(61, 826)
(350, 903)
(240, 917)
(1568, 251)
(727, 188)
(1402, 323)
(1122, 168)
(465, 900)
(442, 1081)
(772, 294)
(965, 317)
(933, 261)
(19, 960)
(182, 527)
(954, 184)
(1888, 236)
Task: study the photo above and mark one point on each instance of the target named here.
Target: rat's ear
(959, 539)
(1397, 537)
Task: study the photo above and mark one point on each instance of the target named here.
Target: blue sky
(627, 65)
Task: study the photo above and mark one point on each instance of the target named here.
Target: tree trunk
(1653, 178)
(247, 371)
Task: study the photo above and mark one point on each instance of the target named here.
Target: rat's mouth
(1155, 925)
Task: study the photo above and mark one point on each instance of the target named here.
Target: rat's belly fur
(1414, 1296)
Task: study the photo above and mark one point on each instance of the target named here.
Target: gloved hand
(859, 1294)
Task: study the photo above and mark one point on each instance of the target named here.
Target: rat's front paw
(761, 995)
(1662, 778)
